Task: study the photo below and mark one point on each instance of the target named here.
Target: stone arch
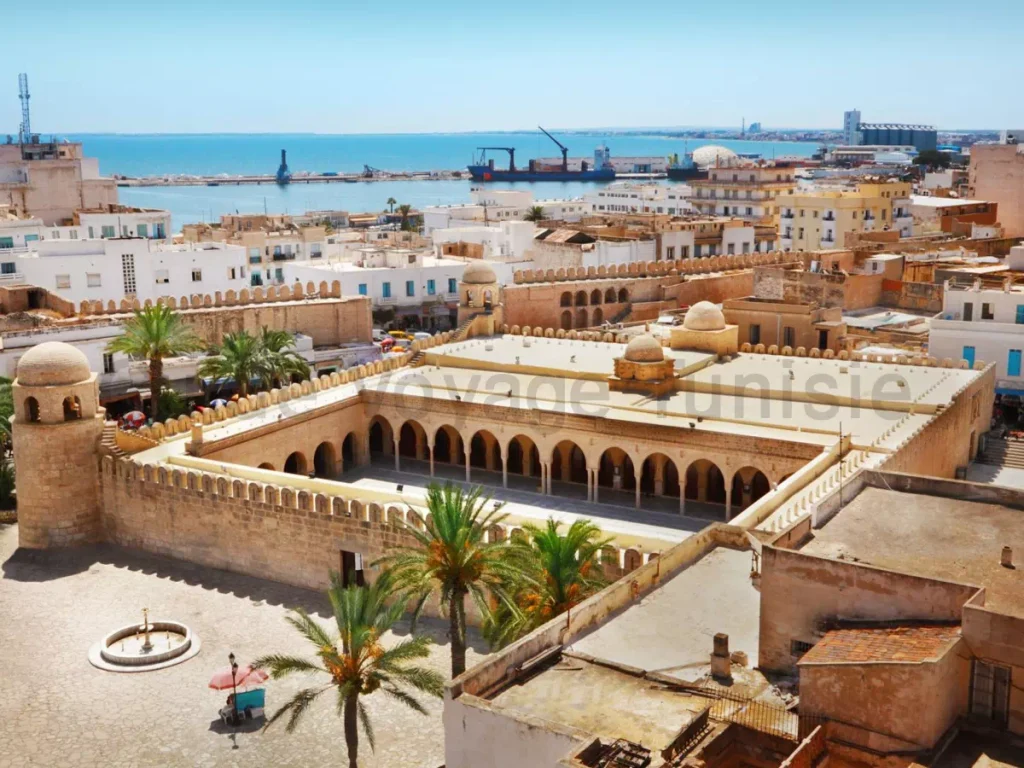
(266, 465)
(748, 485)
(523, 457)
(325, 460)
(705, 482)
(31, 412)
(609, 296)
(72, 408)
(448, 445)
(598, 316)
(412, 440)
(595, 296)
(485, 451)
(568, 463)
(348, 451)
(566, 321)
(581, 318)
(632, 560)
(659, 476)
(381, 436)
(581, 298)
(565, 300)
(623, 296)
(616, 470)
(296, 463)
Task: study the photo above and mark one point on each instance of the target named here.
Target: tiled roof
(908, 644)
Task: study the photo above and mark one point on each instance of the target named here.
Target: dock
(225, 180)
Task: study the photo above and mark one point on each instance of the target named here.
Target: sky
(403, 66)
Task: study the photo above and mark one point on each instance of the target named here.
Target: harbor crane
(511, 155)
(26, 123)
(561, 146)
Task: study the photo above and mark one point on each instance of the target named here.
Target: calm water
(159, 154)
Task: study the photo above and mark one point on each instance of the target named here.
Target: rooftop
(929, 201)
(951, 539)
(889, 644)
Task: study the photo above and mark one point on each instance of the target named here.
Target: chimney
(721, 665)
(1006, 559)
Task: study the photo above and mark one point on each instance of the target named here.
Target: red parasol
(134, 419)
(246, 675)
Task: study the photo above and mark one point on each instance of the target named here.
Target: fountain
(146, 646)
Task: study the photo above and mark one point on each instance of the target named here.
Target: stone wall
(923, 297)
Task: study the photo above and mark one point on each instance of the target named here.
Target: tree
(534, 213)
(240, 357)
(563, 572)
(281, 360)
(404, 210)
(933, 158)
(391, 203)
(155, 333)
(450, 559)
(355, 660)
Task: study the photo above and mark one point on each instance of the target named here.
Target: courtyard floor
(57, 710)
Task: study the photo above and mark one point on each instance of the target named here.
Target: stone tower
(480, 298)
(57, 426)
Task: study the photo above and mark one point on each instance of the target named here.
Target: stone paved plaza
(58, 710)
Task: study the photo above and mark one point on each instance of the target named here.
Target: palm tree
(534, 213)
(451, 559)
(155, 333)
(404, 210)
(391, 203)
(281, 362)
(564, 572)
(355, 660)
(240, 357)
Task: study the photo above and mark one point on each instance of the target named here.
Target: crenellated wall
(654, 268)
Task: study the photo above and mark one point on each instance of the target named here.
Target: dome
(644, 349)
(479, 273)
(52, 363)
(704, 316)
(709, 154)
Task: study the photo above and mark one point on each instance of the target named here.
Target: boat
(685, 169)
(483, 168)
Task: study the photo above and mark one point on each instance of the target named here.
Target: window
(968, 355)
(142, 230)
(386, 290)
(108, 362)
(755, 333)
(92, 279)
(990, 692)
(91, 235)
(254, 255)
(162, 276)
(314, 251)
(750, 211)
(452, 285)
(986, 311)
(63, 281)
(1013, 363)
(352, 569)
(410, 288)
(128, 273)
(968, 310)
(670, 252)
(431, 287)
(696, 251)
(8, 268)
(197, 275)
(732, 249)
(74, 234)
(788, 336)
(362, 289)
(231, 273)
(815, 214)
(799, 647)
(1020, 314)
(684, 251)
(746, 247)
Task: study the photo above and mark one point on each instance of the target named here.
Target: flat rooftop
(672, 629)
(938, 537)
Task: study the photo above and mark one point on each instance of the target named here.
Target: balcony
(284, 257)
(13, 249)
(828, 217)
(788, 216)
(12, 277)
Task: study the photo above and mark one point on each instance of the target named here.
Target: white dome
(704, 316)
(644, 349)
(709, 154)
(52, 363)
(479, 273)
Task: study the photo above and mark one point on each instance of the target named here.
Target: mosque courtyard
(58, 710)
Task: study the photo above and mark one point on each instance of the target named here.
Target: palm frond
(364, 720)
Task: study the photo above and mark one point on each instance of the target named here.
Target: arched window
(566, 300)
(623, 296)
(31, 409)
(72, 408)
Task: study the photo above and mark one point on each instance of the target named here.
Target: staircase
(108, 443)
(622, 314)
(459, 334)
(1002, 453)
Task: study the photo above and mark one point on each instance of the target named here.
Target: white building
(624, 197)
(851, 127)
(984, 324)
(112, 269)
(112, 221)
(490, 206)
(502, 241)
(413, 283)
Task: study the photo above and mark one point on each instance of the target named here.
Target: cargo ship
(483, 167)
(684, 169)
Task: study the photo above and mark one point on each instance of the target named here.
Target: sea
(141, 155)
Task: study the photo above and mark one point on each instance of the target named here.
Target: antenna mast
(26, 123)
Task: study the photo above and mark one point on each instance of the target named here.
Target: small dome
(479, 273)
(644, 349)
(704, 316)
(52, 363)
(709, 154)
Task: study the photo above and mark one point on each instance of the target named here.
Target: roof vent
(1006, 559)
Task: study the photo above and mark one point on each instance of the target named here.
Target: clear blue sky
(455, 65)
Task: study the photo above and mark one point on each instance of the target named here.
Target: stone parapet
(654, 268)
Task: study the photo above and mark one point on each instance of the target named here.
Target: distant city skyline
(452, 67)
